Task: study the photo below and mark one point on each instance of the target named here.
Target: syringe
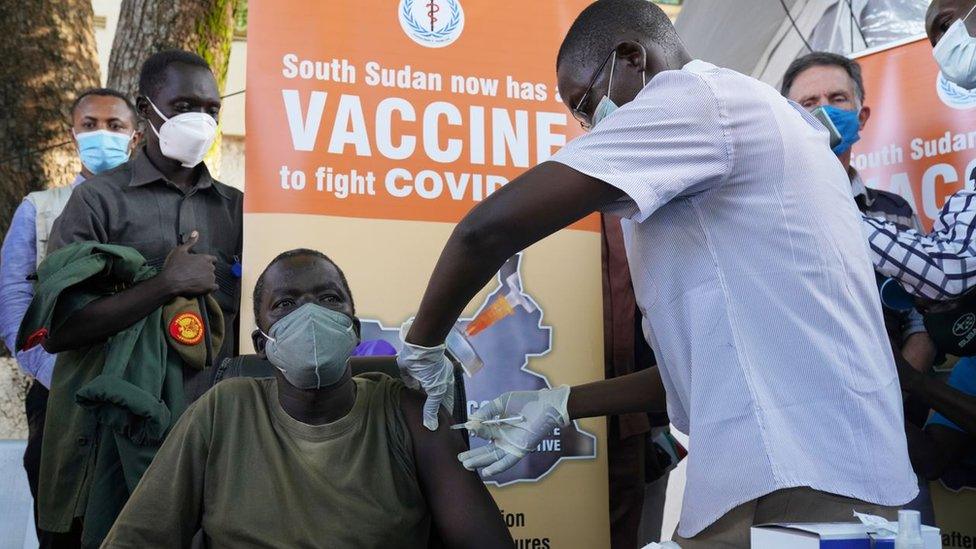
(474, 423)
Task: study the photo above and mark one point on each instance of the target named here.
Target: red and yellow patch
(35, 339)
(187, 328)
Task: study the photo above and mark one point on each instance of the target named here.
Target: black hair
(153, 72)
(824, 59)
(603, 24)
(299, 252)
(104, 92)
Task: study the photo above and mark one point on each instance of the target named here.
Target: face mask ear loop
(613, 62)
(970, 13)
(153, 105)
(644, 68)
(161, 115)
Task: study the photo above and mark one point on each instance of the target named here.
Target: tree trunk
(205, 27)
(47, 57)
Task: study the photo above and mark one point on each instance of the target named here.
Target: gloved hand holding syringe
(514, 424)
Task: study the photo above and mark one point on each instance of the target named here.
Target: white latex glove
(543, 410)
(429, 370)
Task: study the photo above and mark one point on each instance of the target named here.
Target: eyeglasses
(580, 116)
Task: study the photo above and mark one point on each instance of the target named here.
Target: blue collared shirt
(756, 291)
(18, 260)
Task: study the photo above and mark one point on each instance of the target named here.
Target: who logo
(954, 96)
(432, 23)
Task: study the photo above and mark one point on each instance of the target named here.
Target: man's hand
(429, 370)
(187, 274)
(542, 411)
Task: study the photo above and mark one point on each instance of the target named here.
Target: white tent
(756, 37)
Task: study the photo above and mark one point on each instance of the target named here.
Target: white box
(810, 536)
(830, 535)
(931, 535)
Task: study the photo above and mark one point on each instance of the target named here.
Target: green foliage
(240, 18)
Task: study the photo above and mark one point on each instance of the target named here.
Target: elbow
(479, 236)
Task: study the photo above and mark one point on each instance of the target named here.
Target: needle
(474, 423)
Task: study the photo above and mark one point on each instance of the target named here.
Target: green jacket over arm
(111, 404)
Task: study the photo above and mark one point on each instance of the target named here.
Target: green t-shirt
(248, 474)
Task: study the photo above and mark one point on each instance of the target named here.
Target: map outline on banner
(391, 335)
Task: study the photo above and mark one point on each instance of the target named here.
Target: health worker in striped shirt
(748, 266)
(940, 265)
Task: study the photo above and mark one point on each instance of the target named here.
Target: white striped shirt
(939, 265)
(758, 297)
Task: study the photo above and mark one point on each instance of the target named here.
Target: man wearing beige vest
(103, 127)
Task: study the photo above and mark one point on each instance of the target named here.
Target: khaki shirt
(241, 469)
(134, 205)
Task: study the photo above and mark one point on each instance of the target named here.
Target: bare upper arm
(541, 201)
(464, 513)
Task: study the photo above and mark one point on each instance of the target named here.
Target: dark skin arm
(919, 351)
(464, 513)
(184, 274)
(639, 392)
(937, 447)
(543, 200)
(957, 406)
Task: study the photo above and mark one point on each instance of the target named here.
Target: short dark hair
(824, 59)
(153, 72)
(603, 24)
(298, 252)
(104, 92)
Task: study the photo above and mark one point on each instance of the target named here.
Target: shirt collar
(79, 179)
(145, 172)
(858, 188)
(697, 65)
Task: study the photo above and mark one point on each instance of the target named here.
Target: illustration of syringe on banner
(503, 306)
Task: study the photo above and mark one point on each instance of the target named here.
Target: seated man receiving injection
(312, 457)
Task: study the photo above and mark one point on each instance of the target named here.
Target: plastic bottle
(909, 531)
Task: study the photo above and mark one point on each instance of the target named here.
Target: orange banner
(373, 127)
(367, 112)
(920, 141)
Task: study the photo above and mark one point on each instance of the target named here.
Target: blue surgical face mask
(848, 126)
(102, 150)
(956, 54)
(311, 345)
(606, 105)
(603, 109)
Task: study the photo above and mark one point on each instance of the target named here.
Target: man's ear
(863, 116)
(135, 141)
(259, 341)
(357, 325)
(632, 54)
(142, 107)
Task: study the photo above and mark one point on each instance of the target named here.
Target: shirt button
(82, 441)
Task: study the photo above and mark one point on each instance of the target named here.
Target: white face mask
(956, 54)
(185, 137)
